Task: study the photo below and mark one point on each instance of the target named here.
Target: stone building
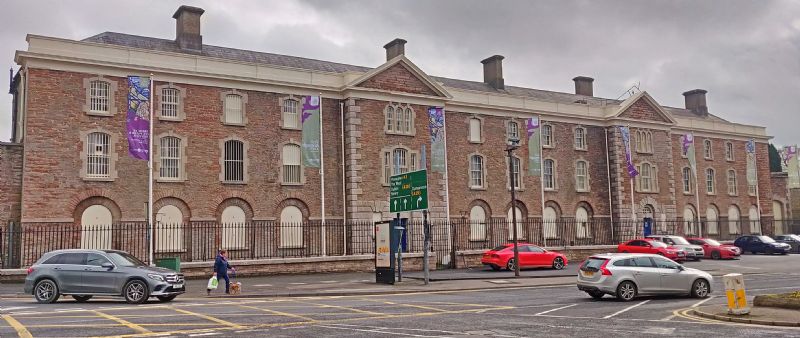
(227, 141)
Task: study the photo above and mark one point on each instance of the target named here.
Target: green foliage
(774, 159)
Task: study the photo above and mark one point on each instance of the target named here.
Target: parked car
(693, 252)
(626, 276)
(761, 244)
(529, 256)
(86, 273)
(716, 250)
(651, 246)
(792, 240)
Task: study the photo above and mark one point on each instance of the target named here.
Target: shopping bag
(213, 282)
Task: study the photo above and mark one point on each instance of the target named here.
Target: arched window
(582, 223)
(734, 225)
(729, 151)
(399, 119)
(170, 154)
(580, 138)
(96, 228)
(707, 151)
(476, 172)
(644, 141)
(549, 228)
(711, 219)
(233, 228)
(510, 223)
(475, 130)
(291, 114)
(291, 227)
(549, 175)
(754, 219)
(477, 223)
(234, 112)
(710, 181)
(512, 130)
(581, 176)
(98, 155)
(687, 180)
(689, 221)
(547, 135)
(234, 161)
(292, 172)
(777, 215)
(732, 182)
(390, 118)
(169, 229)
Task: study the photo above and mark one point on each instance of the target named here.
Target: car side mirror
(107, 266)
(681, 268)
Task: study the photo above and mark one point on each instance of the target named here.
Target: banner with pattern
(436, 128)
(311, 127)
(687, 147)
(750, 148)
(792, 164)
(138, 117)
(626, 141)
(534, 148)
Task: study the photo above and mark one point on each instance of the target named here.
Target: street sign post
(408, 191)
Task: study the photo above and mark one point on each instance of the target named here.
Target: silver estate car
(86, 273)
(626, 275)
(693, 252)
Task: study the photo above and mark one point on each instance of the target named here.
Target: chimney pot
(395, 48)
(696, 101)
(493, 71)
(583, 85)
(187, 28)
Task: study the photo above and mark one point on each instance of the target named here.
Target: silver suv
(86, 273)
(627, 275)
(693, 252)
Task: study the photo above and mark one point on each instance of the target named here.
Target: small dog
(236, 288)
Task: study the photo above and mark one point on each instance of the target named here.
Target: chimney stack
(696, 101)
(188, 28)
(583, 85)
(395, 48)
(493, 71)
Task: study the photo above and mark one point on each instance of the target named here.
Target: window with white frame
(510, 221)
(233, 228)
(169, 229)
(234, 161)
(99, 96)
(581, 176)
(550, 228)
(398, 161)
(170, 100)
(732, 182)
(711, 220)
(710, 181)
(707, 151)
(291, 227)
(754, 220)
(475, 130)
(648, 177)
(170, 154)
(234, 112)
(291, 114)
(644, 141)
(549, 174)
(477, 223)
(292, 169)
(98, 155)
(512, 130)
(729, 151)
(547, 135)
(515, 171)
(686, 175)
(476, 172)
(580, 138)
(399, 119)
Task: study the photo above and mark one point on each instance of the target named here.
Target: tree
(774, 159)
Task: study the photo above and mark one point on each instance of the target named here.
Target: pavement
(758, 315)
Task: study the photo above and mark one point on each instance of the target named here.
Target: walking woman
(221, 267)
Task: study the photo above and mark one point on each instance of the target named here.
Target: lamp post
(510, 147)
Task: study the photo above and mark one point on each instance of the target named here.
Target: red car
(716, 250)
(529, 256)
(650, 246)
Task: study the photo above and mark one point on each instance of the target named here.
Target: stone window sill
(99, 113)
(234, 182)
(400, 134)
(98, 179)
(289, 184)
(583, 191)
(170, 119)
(234, 124)
(581, 149)
(548, 146)
(292, 128)
(478, 188)
(475, 142)
(170, 180)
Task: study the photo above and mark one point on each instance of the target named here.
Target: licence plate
(177, 286)
(588, 273)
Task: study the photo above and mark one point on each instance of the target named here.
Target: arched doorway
(689, 218)
(777, 212)
(169, 229)
(754, 219)
(648, 222)
(291, 227)
(96, 224)
(711, 219)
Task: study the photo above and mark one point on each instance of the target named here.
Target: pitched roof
(166, 45)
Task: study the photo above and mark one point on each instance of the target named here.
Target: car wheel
(81, 299)
(135, 292)
(625, 251)
(700, 288)
(166, 298)
(558, 263)
(753, 252)
(495, 267)
(596, 294)
(626, 291)
(715, 255)
(510, 265)
(46, 291)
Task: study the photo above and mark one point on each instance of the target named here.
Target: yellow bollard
(734, 291)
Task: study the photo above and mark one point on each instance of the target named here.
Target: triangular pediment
(400, 75)
(642, 107)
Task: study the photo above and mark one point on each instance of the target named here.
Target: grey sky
(745, 53)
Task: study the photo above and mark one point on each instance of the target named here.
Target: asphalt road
(554, 311)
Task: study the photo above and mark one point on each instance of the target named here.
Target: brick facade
(10, 182)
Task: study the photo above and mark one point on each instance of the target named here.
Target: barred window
(98, 154)
(169, 102)
(732, 182)
(580, 138)
(291, 115)
(233, 109)
(581, 176)
(399, 158)
(170, 157)
(291, 164)
(512, 130)
(710, 181)
(398, 161)
(234, 161)
(99, 96)
(547, 135)
(476, 171)
(549, 175)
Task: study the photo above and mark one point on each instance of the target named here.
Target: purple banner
(626, 140)
(138, 118)
(436, 128)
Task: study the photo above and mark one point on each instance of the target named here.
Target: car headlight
(153, 276)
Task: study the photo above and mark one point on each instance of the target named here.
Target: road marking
(556, 309)
(329, 281)
(285, 314)
(298, 283)
(204, 334)
(626, 309)
(702, 301)
(123, 322)
(346, 308)
(397, 328)
(375, 331)
(22, 332)
(416, 306)
(216, 320)
(9, 309)
(262, 285)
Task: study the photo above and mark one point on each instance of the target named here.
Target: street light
(510, 147)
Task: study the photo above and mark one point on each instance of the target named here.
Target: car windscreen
(500, 248)
(124, 259)
(712, 242)
(766, 239)
(796, 237)
(679, 240)
(593, 264)
(657, 244)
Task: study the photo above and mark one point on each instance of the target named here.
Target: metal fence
(21, 245)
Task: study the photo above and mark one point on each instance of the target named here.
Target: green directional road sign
(409, 191)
